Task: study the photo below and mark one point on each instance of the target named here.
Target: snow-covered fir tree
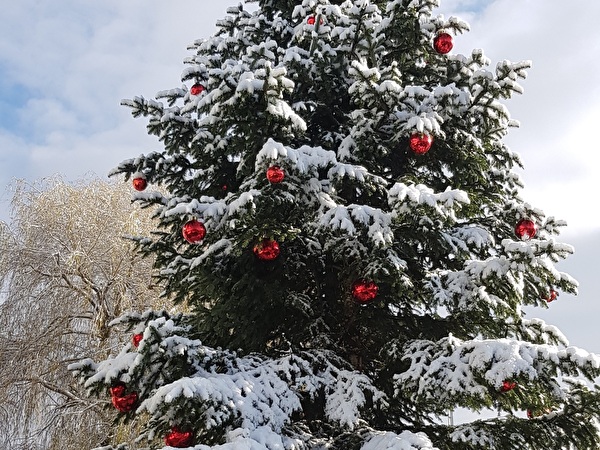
(345, 225)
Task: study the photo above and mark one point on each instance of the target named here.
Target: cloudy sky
(65, 66)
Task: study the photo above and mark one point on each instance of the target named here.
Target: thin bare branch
(65, 273)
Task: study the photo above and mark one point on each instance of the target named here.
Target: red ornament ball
(140, 183)
(125, 403)
(311, 20)
(508, 386)
(420, 143)
(197, 89)
(364, 291)
(442, 43)
(275, 174)
(121, 401)
(526, 229)
(136, 339)
(193, 231)
(552, 295)
(267, 250)
(179, 439)
(118, 390)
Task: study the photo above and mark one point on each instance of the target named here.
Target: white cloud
(73, 63)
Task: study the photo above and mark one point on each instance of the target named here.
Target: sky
(65, 66)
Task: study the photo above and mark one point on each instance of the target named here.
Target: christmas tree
(339, 215)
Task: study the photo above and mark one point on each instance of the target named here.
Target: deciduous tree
(66, 271)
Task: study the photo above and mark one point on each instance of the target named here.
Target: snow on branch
(500, 267)
(272, 82)
(533, 248)
(256, 394)
(404, 441)
(222, 246)
(404, 197)
(207, 207)
(305, 159)
(250, 391)
(452, 367)
(462, 238)
(347, 397)
(373, 220)
(459, 293)
(524, 270)
(260, 438)
(507, 74)
(538, 330)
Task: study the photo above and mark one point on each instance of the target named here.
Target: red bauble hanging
(267, 250)
(420, 143)
(526, 229)
(508, 386)
(136, 339)
(193, 231)
(552, 295)
(364, 291)
(197, 89)
(118, 390)
(443, 43)
(121, 401)
(311, 20)
(275, 174)
(139, 183)
(179, 439)
(125, 403)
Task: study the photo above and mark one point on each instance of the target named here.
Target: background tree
(346, 224)
(65, 272)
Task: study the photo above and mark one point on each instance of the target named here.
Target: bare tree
(65, 272)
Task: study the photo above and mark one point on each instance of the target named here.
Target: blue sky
(64, 67)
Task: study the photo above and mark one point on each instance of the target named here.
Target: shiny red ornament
(179, 439)
(136, 339)
(364, 291)
(526, 229)
(443, 43)
(125, 403)
(139, 183)
(193, 231)
(553, 295)
(420, 143)
(275, 174)
(311, 20)
(117, 390)
(508, 386)
(530, 414)
(267, 250)
(121, 401)
(197, 89)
